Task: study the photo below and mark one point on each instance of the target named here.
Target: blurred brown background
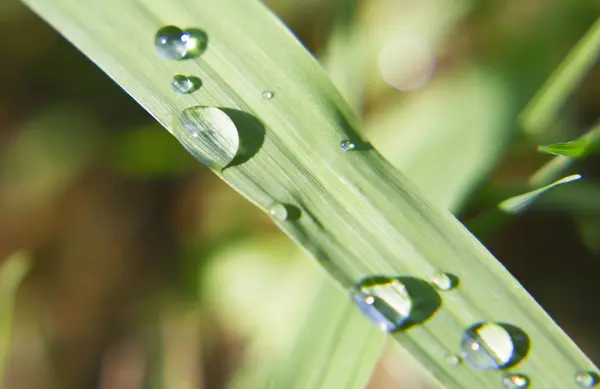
(118, 223)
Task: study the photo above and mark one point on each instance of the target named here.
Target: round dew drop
(347, 145)
(268, 95)
(209, 134)
(444, 281)
(452, 359)
(515, 381)
(279, 211)
(184, 84)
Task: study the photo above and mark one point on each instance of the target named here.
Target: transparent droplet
(587, 379)
(173, 43)
(268, 95)
(185, 84)
(347, 145)
(385, 301)
(444, 281)
(491, 346)
(278, 211)
(209, 134)
(515, 381)
(452, 359)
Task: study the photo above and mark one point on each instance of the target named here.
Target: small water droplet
(347, 145)
(185, 84)
(268, 95)
(209, 134)
(452, 359)
(173, 43)
(383, 300)
(491, 346)
(587, 379)
(444, 281)
(515, 381)
(278, 211)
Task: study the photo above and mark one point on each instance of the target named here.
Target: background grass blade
(544, 107)
(12, 271)
(359, 215)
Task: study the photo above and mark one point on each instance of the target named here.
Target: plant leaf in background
(580, 148)
(12, 271)
(492, 220)
(544, 107)
(519, 203)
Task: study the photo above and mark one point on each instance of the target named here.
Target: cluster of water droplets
(388, 303)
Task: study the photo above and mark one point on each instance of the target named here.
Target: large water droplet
(173, 43)
(515, 381)
(185, 84)
(587, 379)
(385, 301)
(209, 134)
(395, 303)
(491, 346)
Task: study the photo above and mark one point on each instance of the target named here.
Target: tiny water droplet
(173, 43)
(515, 381)
(278, 211)
(268, 95)
(491, 346)
(385, 301)
(209, 134)
(444, 281)
(587, 379)
(347, 145)
(185, 84)
(452, 359)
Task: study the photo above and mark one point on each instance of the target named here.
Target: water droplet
(491, 346)
(278, 211)
(452, 359)
(268, 95)
(383, 300)
(587, 379)
(185, 84)
(444, 281)
(347, 145)
(209, 134)
(515, 381)
(173, 43)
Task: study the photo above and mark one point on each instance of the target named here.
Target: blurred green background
(126, 264)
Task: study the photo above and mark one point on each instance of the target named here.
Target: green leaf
(587, 144)
(575, 149)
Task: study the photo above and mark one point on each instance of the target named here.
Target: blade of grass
(518, 204)
(491, 220)
(559, 164)
(359, 215)
(587, 144)
(12, 272)
(544, 107)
